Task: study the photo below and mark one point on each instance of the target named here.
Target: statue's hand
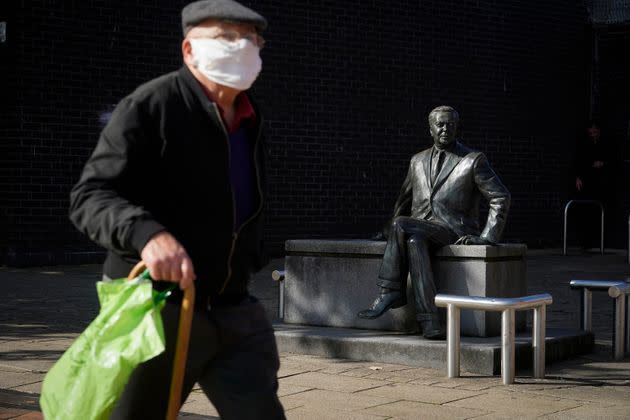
(379, 236)
(473, 240)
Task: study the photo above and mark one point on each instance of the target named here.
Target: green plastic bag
(91, 375)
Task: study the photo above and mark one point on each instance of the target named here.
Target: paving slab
(368, 370)
(405, 375)
(413, 410)
(30, 416)
(13, 380)
(420, 393)
(12, 413)
(514, 404)
(197, 403)
(608, 396)
(592, 411)
(285, 389)
(342, 400)
(286, 371)
(14, 399)
(468, 383)
(31, 388)
(37, 362)
(291, 403)
(315, 363)
(325, 413)
(331, 382)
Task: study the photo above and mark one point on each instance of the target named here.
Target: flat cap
(229, 10)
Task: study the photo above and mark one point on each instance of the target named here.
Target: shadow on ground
(47, 300)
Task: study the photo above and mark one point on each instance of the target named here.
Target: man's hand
(473, 240)
(578, 184)
(167, 260)
(598, 164)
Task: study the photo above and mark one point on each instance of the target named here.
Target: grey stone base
(478, 355)
(329, 281)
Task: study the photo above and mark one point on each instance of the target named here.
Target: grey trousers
(408, 252)
(232, 355)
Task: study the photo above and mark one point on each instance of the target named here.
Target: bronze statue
(438, 205)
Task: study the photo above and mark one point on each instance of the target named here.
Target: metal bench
(508, 307)
(618, 290)
(566, 211)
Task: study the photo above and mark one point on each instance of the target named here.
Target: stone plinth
(328, 281)
(479, 270)
(478, 354)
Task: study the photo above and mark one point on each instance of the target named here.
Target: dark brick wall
(349, 106)
(612, 108)
(346, 88)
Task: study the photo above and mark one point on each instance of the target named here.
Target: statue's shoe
(383, 303)
(433, 330)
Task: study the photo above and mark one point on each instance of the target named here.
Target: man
(591, 159)
(438, 205)
(176, 179)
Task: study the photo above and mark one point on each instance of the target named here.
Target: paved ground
(44, 309)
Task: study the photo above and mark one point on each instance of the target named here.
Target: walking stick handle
(181, 346)
(137, 270)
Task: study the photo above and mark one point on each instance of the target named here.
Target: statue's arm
(498, 198)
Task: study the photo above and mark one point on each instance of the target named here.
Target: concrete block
(329, 281)
(478, 270)
(328, 288)
(478, 354)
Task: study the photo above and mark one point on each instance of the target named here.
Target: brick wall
(612, 107)
(346, 89)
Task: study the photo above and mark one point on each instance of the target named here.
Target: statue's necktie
(436, 165)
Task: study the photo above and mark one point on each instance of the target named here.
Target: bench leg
(281, 299)
(601, 246)
(587, 310)
(508, 364)
(627, 323)
(452, 340)
(538, 341)
(620, 314)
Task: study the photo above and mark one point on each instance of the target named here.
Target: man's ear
(187, 52)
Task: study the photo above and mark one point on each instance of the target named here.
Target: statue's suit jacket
(453, 200)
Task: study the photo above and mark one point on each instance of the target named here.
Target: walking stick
(181, 346)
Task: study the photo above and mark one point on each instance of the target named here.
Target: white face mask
(234, 64)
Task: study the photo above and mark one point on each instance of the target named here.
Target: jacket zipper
(260, 192)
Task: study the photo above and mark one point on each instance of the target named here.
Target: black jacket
(162, 163)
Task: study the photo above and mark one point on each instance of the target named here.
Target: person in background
(592, 167)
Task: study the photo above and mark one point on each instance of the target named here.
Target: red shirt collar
(244, 112)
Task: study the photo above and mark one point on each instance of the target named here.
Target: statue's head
(443, 122)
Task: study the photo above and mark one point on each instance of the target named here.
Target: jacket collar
(451, 159)
(195, 96)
